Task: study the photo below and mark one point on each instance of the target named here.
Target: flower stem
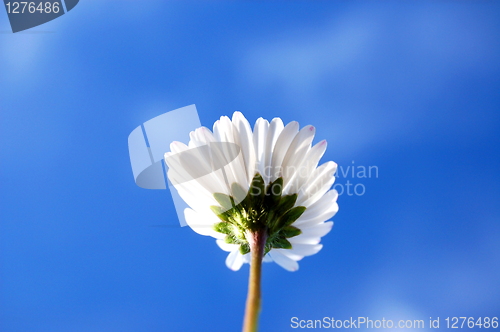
(257, 241)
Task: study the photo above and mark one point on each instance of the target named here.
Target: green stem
(257, 241)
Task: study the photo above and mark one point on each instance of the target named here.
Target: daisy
(260, 193)
(239, 183)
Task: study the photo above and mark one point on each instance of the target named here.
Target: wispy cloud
(376, 72)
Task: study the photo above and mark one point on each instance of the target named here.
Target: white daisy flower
(238, 182)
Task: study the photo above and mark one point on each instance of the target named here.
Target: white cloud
(22, 54)
(371, 72)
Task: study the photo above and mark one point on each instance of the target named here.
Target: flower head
(238, 182)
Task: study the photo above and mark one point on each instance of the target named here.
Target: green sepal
(267, 247)
(230, 240)
(286, 203)
(239, 196)
(258, 208)
(220, 212)
(244, 249)
(257, 190)
(290, 231)
(273, 193)
(223, 227)
(289, 217)
(281, 243)
(224, 200)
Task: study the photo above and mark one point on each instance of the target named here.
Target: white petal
(234, 260)
(246, 258)
(288, 253)
(321, 205)
(202, 223)
(176, 147)
(201, 136)
(223, 132)
(286, 137)
(284, 261)
(295, 156)
(267, 258)
(322, 210)
(304, 240)
(227, 246)
(318, 230)
(305, 249)
(259, 142)
(211, 183)
(244, 132)
(194, 164)
(221, 129)
(197, 197)
(318, 219)
(310, 163)
(312, 235)
(275, 128)
(317, 185)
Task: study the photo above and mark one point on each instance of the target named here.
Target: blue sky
(409, 87)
